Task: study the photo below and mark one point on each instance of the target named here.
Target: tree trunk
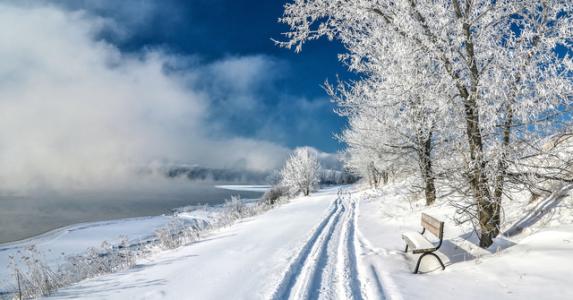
(373, 174)
(501, 170)
(425, 162)
(488, 207)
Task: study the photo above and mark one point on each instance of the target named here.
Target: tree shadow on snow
(449, 252)
(459, 249)
(542, 209)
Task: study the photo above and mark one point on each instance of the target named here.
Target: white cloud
(74, 110)
(236, 83)
(127, 15)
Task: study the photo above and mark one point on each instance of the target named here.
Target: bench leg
(428, 253)
(406, 250)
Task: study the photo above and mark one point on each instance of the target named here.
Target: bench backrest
(433, 225)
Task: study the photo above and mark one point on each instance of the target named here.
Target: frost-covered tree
(363, 157)
(504, 68)
(301, 171)
(394, 118)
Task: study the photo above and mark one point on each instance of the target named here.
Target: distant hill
(244, 176)
(198, 173)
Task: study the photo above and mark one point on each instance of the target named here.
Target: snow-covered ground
(535, 264)
(347, 245)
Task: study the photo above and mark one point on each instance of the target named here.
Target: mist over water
(23, 215)
(86, 129)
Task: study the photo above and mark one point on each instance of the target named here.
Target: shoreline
(70, 226)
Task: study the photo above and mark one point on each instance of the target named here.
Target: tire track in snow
(348, 281)
(343, 273)
(318, 264)
(326, 267)
(295, 268)
(352, 242)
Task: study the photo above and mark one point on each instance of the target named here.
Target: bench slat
(434, 230)
(417, 241)
(430, 220)
(433, 225)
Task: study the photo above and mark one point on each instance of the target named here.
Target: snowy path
(306, 249)
(326, 266)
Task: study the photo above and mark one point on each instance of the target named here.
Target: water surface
(28, 214)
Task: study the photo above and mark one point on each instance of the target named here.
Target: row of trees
(468, 91)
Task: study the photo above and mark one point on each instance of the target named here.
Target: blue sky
(91, 90)
(293, 109)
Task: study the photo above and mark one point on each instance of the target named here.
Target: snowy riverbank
(55, 246)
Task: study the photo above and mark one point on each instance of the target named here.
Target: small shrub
(35, 278)
(274, 195)
(176, 234)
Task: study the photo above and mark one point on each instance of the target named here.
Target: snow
(347, 245)
(417, 239)
(245, 188)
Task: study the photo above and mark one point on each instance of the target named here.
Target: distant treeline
(198, 173)
(335, 177)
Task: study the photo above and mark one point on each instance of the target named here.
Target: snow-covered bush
(107, 259)
(176, 234)
(33, 275)
(235, 209)
(274, 195)
(301, 172)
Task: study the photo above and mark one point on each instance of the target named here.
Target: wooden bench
(420, 244)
